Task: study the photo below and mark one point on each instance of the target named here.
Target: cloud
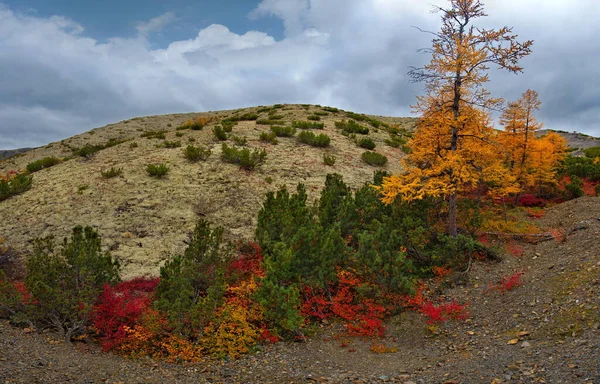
(352, 54)
(155, 24)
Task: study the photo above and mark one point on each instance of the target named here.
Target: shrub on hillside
(194, 154)
(313, 118)
(366, 143)
(192, 286)
(351, 126)
(308, 125)
(374, 158)
(228, 125)
(46, 162)
(592, 152)
(154, 135)
(320, 140)
(283, 131)
(240, 140)
(15, 185)
(269, 137)
(219, 133)
(87, 150)
(328, 159)
(244, 157)
(112, 172)
(66, 282)
(575, 188)
(157, 170)
(172, 144)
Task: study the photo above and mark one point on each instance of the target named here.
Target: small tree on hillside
(453, 149)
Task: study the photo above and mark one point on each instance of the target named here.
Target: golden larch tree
(454, 144)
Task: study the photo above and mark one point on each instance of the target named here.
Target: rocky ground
(547, 330)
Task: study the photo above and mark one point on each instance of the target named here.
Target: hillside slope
(144, 220)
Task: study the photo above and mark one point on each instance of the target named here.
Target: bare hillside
(144, 220)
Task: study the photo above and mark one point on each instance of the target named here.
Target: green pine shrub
(307, 125)
(308, 137)
(194, 154)
(15, 186)
(157, 170)
(154, 134)
(219, 133)
(240, 140)
(328, 159)
(366, 143)
(87, 150)
(112, 172)
(269, 137)
(192, 286)
(283, 131)
(351, 126)
(66, 282)
(575, 188)
(38, 165)
(228, 125)
(244, 157)
(592, 152)
(314, 118)
(374, 158)
(172, 144)
(330, 109)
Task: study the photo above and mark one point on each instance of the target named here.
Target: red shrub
(444, 312)
(507, 283)
(528, 200)
(249, 262)
(514, 250)
(120, 307)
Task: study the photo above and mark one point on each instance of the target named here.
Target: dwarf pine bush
(112, 172)
(283, 131)
(308, 125)
(269, 137)
(38, 165)
(366, 143)
(194, 154)
(15, 186)
(374, 158)
(244, 157)
(157, 170)
(66, 282)
(320, 140)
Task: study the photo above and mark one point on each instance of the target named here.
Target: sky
(67, 66)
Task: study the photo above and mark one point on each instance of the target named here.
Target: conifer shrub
(321, 113)
(395, 141)
(15, 185)
(133, 145)
(192, 286)
(38, 165)
(113, 142)
(273, 116)
(320, 140)
(328, 159)
(87, 150)
(308, 125)
(172, 144)
(179, 134)
(283, 131)
(240, 140)
(366, 143)
(219, 133)
(374, 158)
(244, 157)
(314, 118)
(244, 117)
(330, 109)
(194, 154)
(592, 152)
(269, 137)
(154, 134)
(351, 127)
(269, 122)
(228, 125)
(112, 172)
(575, 188)
(157, 170)
(65, 283)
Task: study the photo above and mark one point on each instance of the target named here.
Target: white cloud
(156, 24)
(352, 54)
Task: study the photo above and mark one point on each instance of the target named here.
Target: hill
(12, 152)
(575, 140)
(144, 220)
